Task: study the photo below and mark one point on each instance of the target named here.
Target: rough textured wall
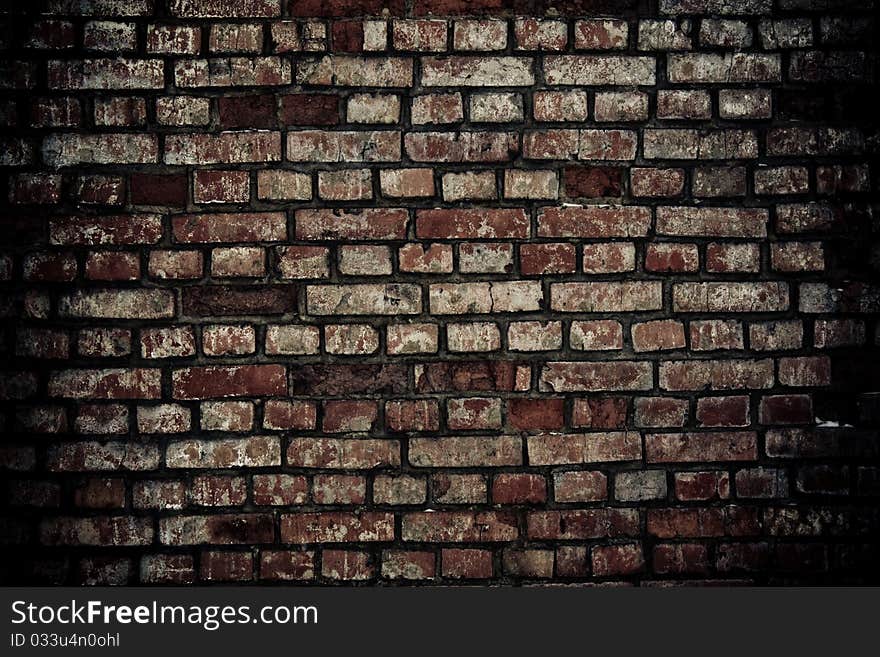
(348, 291)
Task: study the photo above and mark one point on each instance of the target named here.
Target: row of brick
(345, 8)
(569, 221)
(239, 147)
(475, 298)
(517, 414)
(417, 338)
(223, 301)
(476, 413)
(695, 559)
(450, 526)
(563, 487)
(362, 184)
(811, 66)
(270, 111)
(605, 335)
(599, 450)
(269, 380)
(442, 35)
(309, 262)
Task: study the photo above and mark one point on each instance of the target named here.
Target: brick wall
(454, 291)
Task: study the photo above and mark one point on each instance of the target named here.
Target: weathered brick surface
(445, 292)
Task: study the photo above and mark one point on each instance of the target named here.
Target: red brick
(473, 224)
(414, 415)
(226, 566)
(104, 493)
(337, 527)
(600, 412)
(727, 258)
(580, 524)
(346, 416)
(538, 34)
(227, 416)
(347, 36)
(343, 453)
(175, 264)
(138, 383)
(660, 412)
(539, 259)
(580, 486)
(615, 560)
(112, 266)
(49, 267)
(723, 411)
(368, 224)
(437, 108)
(280, 490)
(221, 187)
(158, 189)
(338, 489)
(595, 376)
(217, 490)
(229, 227)
(785, 409)
(110, 229)
(535, 414)
(369, 403)
(283, 414)
(460, 526)
(466, 563)
(219, 9)
(460, 146)
(465, 451)
(707, 485)
(703, 522)
(303, 261)
(716, 374)
(223, 148)
(553, 144)
(594, 222)
(233, 381)
(408, 565)
(668, 257)
(125, 530)
(592, 182)
(559, 449)
(346, 565)
(309, 109)
(459, 488)
(467, 376)
(221, 300)
(697, 447)
(519, 489)
(473, 413)
(342, 379)
(101, 190)
(805, 371)
(101, 418)
(714, 334)
(681, 559)
(658, 335)
(287, 565)
(256, 451)
(761, 483)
